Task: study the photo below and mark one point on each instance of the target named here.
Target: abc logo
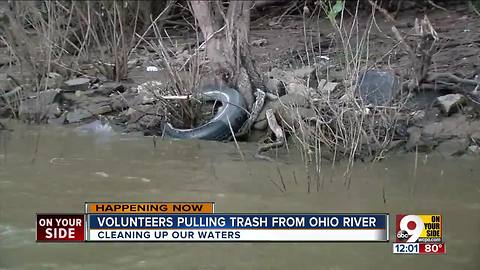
(402, 235)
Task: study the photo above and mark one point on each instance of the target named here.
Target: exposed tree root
(277, 131)
(256, 108)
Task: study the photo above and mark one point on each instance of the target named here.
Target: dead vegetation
(331, 122)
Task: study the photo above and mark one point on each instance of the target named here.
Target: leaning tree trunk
(227, 46)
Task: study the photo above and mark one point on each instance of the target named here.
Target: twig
(436, 6)
(383, 11)
(434, 76)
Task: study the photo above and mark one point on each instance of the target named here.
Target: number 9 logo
(413, 225)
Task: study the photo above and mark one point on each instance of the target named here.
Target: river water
(55, 170)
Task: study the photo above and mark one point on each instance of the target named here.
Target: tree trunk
(227, 47)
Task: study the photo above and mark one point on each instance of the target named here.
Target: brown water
(68, 168)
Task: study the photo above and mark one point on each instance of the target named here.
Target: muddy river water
(45, 169)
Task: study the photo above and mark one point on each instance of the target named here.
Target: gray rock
(274, 86)
(260, 125)
(41, 107)
(418, 116)
(6, 84)
(378, 87)
(290, 100)
(77, 84)
(108, 87)
(414, 135)
(291, 116)
(53, 80)
(87, 109)
(298, 88)
(452, 147)
(78, 115)
(451, 102)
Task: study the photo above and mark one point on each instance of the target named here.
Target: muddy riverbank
(306, 86)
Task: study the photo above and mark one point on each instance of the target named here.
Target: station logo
(418, 229)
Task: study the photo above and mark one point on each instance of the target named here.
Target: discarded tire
(232, 114)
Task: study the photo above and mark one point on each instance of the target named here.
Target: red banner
(60, 227)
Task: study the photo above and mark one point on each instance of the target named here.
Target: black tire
(233, 113)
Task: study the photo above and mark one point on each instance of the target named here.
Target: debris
(324, 57)
(152, 68)
(259, 42)
(150, 91)
(327, 87)
(102, 174)
(474, 149)
(378, 87)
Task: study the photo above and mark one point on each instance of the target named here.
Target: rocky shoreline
(382, 107)
(448, 123)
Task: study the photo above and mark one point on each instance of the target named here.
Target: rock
(259, 42)
(274, 86)
(89, 108)
(52, 81)
(290, 100)
(39, 108)
(57, 121)
(304, 72)
(78, 115)
(297, 88)
(150, 122)
(326, 87)
(414, 135)
(455, 126)
(451, 102)
(474, 149)
(418, 116)
(291, 116)
(108, 87)
(260, 125)
(378, 87)
(6, 83)
(54, 111)
(452, 147)
(77, 84)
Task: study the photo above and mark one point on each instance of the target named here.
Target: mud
(294, 54)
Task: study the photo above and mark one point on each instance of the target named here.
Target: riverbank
(314, 86)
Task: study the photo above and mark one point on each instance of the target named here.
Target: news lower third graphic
(418, 234)
(198, 222)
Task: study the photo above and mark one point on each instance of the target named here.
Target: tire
(232, 113)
